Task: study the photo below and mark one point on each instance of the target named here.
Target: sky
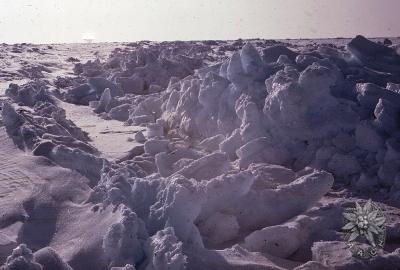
(55, 21)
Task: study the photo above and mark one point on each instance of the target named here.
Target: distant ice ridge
(235, 158)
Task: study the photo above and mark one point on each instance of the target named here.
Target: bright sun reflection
(88, 37)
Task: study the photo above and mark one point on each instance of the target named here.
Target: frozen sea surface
(197, 155)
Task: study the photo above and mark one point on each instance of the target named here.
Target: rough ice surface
(244, 155)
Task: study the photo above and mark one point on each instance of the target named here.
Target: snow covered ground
(197, 155)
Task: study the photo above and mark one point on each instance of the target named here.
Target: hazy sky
(50, 21)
